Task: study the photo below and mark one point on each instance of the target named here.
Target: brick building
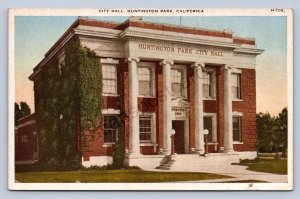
(182, 78)
(26, 147)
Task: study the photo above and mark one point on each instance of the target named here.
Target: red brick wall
(220, 106)
(191, 93)
(248, 107)
(95, 142)
(159, 107)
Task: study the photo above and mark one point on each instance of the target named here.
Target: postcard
(150, 99)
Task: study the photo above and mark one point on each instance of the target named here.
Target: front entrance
(178, 126)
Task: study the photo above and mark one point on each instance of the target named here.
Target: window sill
(148, 144)
(213, 143)
(145, 96)
(109, 144)
(184, 98)
(235, 142)
(212, 99)
(111, 95)
(237, 100)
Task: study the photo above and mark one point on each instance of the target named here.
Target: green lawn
(114, 176)
(267, 165)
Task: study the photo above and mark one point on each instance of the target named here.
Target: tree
(264, 130)
(25, 109)
(21, 112)
(18, 113)
(272, 132)
(281, 132)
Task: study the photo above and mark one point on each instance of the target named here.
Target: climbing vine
(119, 153)
(67, 101)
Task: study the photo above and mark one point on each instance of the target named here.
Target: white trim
(237, 142)
(147, 144)
(110, 111)
(108, 144)
(237, 100)
(213, 143)
(236, 70)
(110, 95)
(183, 68)
(236, 113)
(26, 123)
(97, 161)
(109, 61)
(151, 66)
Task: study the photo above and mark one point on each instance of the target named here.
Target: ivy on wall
(119, 153)
(67, 101)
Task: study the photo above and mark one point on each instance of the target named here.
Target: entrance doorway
(178, 126)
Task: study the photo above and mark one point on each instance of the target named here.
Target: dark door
(178, 126)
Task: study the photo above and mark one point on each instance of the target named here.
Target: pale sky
(35, 35)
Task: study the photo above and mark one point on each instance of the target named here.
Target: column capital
(228, 67)
(166, 61)
(132, 59)
(198, 65)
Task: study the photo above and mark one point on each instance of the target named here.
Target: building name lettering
(182, 50)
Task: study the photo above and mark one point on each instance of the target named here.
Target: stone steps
(190, 161)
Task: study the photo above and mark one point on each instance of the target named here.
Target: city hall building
(182, 78)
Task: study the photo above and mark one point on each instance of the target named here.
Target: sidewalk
(238, 172)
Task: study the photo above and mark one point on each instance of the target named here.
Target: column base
(166, 152)
(193, 151)
(229, 151)
(200, 151)
(221, 149)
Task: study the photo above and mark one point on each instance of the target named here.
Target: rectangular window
(178, 82)
(145, 83)
(208, 124)
(236, 85)
(207, 83)
(110, 128)
(236, 128)
(145, 122)
(24, 138)
(109, 73)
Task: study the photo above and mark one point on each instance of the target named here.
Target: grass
(267, 165)
(118, 176)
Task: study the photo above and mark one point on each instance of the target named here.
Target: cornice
(254, 51)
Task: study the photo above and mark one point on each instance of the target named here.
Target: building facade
(26, 147)
(174, 77)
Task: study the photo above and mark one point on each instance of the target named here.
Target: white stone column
(134, 137)
(228, 134)
(167, 109)
(199, 127)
